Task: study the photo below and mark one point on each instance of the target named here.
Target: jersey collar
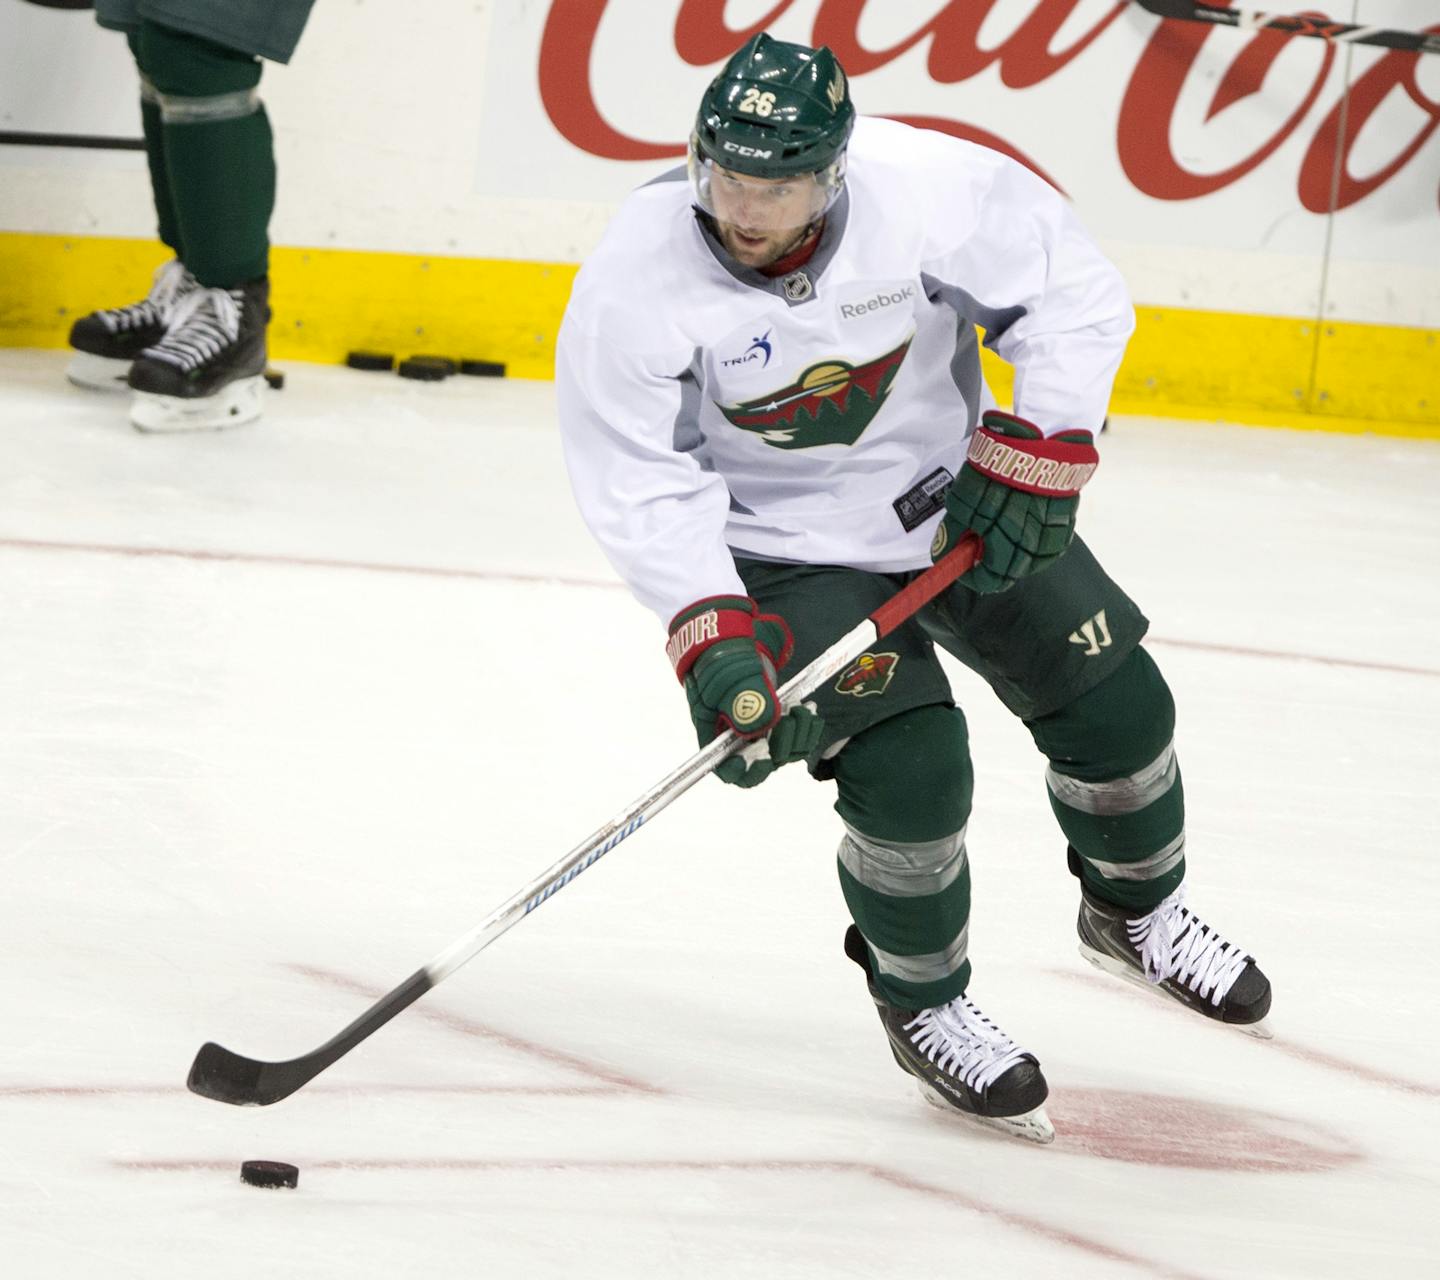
(799, 286)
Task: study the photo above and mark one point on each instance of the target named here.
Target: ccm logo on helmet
(740, 150)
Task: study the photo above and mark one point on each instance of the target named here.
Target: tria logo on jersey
(758, 353)
(832, 402)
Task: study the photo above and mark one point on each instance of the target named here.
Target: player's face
(761, 219)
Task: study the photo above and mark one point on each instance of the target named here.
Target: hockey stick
(230, 1077)
(1295, 25)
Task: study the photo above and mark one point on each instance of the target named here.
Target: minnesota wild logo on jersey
(832, 402)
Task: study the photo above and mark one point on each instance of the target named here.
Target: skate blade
(1032, 1126)
(233, 406)
(1119, 969)
(97, 373)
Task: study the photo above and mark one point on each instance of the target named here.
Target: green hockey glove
(726, 653)
(1020, 493)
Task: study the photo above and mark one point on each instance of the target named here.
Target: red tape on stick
(910, 600)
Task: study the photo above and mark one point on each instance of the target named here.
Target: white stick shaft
(596, 845)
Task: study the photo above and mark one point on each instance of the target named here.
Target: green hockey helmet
(775, 111)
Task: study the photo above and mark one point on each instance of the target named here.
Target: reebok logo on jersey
(832, 402)
(882, 300)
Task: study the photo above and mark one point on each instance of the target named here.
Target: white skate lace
(171, 281)
(962, 1041)
(1174, 944)
(203, 323)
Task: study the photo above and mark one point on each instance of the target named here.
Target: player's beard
(763, 248)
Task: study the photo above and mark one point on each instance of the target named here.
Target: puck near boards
(269, 1173)
(482, 368)
(426, 368)
(445, 362)
(379, 361)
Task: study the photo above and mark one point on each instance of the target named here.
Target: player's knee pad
(194, 80)
(1120, 727)
(908, 779)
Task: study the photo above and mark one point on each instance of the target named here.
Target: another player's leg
(207, 369)
(904, 794)
(1116, 790)
(106, 342)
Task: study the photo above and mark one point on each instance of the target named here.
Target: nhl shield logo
(869, 673)
(797, 286)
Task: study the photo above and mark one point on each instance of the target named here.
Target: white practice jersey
(708, 411)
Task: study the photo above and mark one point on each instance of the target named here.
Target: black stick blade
(223, 1076)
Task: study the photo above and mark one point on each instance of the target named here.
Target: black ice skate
(1172, 952)
(107, 342)
(965, 1064)
(208, 370)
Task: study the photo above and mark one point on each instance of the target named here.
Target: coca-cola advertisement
(1270, 172)
(1188, 147)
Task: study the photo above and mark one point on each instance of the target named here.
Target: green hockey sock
(904, 793)
(222, 174)
(1115, 785)
(218, 152)
(168, 226)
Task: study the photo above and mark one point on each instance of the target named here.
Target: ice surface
(285, 710)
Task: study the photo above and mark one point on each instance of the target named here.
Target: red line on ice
(301, 562)
(1280, 1044)
(879, 1173)
(496, 575)
(462, 1090)
(614, 1079)
(1242, 651)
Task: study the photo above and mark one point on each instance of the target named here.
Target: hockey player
(194, 351)
(773, 416)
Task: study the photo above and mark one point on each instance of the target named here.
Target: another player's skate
(1172, 952)
(208, 370)
(965, 1064)
(107, 342)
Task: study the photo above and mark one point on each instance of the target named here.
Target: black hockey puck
(269, 1173)
(274, 379)
(441, 360)
(482, 368)
(426, 368)
(381, 360)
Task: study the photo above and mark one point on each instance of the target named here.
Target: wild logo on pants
(869, 673)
